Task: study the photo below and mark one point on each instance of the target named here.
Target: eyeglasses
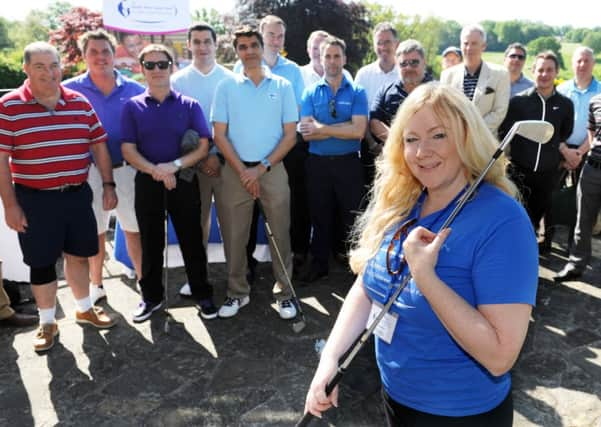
(332, 107)
(517, 56)
(402, 231)
(413, 63)
(163, 65)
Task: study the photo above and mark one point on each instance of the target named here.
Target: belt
(66, 188)
(251, 164)
(594, 163)
(119, 164)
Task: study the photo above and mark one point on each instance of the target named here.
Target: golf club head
(535, 130)
(297, 327)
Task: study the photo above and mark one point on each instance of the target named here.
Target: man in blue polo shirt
(254, 119)
(333, 120)
(580, 90)
(273, 31)
(107, 90)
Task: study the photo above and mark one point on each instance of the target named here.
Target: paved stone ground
(253, 370)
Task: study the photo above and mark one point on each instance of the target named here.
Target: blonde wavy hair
(396, 190)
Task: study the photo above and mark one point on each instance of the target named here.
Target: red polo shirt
(48, 148)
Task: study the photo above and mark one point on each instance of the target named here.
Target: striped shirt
(48, 148)
(470, 81)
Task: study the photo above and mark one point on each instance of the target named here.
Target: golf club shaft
(280, 259)
(360, 342)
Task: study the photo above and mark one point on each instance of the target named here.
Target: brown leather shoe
(19, 320)
(45, 337)
(96, 317)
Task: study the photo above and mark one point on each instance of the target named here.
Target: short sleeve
(289, 105)
(307, 103)
(128, 124)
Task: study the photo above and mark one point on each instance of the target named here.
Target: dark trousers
(300, 220)
(536, 189)
(183, 206)
(398, 415)
(334, 183)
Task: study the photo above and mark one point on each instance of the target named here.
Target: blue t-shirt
(108, 108)
(254, 115)
(350, 100)
(490, 257)
(157, 128)
(287, 69)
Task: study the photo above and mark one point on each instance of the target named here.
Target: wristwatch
(265, 162)
(178, 163)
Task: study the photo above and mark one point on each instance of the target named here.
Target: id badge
(385, 329)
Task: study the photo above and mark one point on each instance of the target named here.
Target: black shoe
(569, 272)
(544, 247)
(207, 309)
(145, 310)
(19, 320)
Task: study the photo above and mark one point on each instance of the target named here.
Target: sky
(462, 11)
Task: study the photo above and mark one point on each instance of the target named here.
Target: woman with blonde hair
(445, 348)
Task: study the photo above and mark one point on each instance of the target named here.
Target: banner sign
(147, 16)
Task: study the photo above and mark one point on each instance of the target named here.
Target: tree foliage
(546, 43)
(346, 20)
(72, 25)
(5, 41)
(593, 40)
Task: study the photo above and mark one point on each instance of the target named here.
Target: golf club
(166, 261)
(535, 130)
(298, 325)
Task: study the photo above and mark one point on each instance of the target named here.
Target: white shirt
(311, 77)
(372, 78)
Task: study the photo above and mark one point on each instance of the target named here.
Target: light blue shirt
(108, 107)
(520, 85)
(581, 99)
(254, 115)
(287, 69)
(350, 100)
(192, 82)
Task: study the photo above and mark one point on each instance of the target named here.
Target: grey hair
(471, 29)
(584, 49)
(410, 45)
(38, 47)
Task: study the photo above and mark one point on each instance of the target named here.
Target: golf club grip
(330, 386)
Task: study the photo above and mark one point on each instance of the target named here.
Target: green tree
(509, 32)
(546, 43)
(593, 40)
(211, 17)
(344, 19)
(5, 41)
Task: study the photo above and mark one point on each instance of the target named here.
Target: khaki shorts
(126, 213)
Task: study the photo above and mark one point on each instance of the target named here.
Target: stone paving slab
(253, 370)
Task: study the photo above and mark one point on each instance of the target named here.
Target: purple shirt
(157, 128)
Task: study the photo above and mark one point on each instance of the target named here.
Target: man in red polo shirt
(46, 135)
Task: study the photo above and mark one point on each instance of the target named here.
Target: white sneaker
(185, 290)
(96, 294)
(287, 309)
(231, 306)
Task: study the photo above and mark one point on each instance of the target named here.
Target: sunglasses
(413, 63)
(332, 107)
(163, 65)
(517, 56)
(402, 231)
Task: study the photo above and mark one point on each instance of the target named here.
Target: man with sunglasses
(152, 127)
(254, 117)
(108, 90)
(333, 120)
(486, 85)
(412, 66)
(515, 59)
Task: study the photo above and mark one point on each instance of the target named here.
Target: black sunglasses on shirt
(163, 65)
(332, 106)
